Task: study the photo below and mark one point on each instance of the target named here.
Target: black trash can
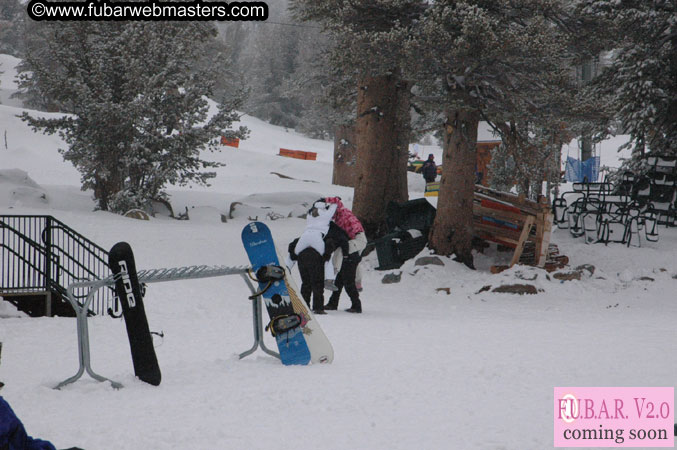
(408, 224)
(386, 251)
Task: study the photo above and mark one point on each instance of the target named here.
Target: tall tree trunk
(452, 231)
(383, 129)
(107, 183)
(345, 156)
(586, 147)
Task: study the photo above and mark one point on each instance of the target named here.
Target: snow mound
(18, 189)
(273, 205)
(9, 311)
(206, 214)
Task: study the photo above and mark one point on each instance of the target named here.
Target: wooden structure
(230, 142)
(298, 154)
(512, 221)
(509, 220)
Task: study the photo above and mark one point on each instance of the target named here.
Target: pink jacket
(345, 218)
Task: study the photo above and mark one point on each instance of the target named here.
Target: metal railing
(42, 254)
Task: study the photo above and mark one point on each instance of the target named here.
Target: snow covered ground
(419, 369)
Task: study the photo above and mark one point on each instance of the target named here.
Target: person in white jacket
(317, 226)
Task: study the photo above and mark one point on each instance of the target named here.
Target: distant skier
(317, 227)
(429, 169)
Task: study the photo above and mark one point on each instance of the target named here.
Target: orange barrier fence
(298, 154)
(231, 142)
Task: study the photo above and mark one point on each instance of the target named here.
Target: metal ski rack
(155, 276)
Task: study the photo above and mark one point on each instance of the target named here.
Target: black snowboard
(121, 261)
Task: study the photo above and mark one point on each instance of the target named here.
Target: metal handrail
(43, 247)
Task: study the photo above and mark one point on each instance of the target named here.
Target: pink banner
(614, 417)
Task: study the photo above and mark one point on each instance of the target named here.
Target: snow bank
(18, 189)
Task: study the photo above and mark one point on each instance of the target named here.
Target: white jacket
(325, 212)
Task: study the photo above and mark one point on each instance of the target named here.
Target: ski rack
(155, 276)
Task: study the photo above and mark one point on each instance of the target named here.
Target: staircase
(39, 257)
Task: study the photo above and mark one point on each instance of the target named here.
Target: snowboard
(320, 348)
(128, 290)
(281, 300)
(260, 248)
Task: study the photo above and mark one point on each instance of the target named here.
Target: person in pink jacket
(347, 264)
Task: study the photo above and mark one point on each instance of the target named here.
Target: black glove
(354, 257)
(291, 248)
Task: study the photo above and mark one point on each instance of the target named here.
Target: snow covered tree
(139, 113)
(325, 94)
(286, 65)
(484, 58)
(530, 155)
(37, 38)
(272, 58)
(12, 17)
(501, 169)
(368, 47)
(277, 58)
(641, 84)
(218, 59)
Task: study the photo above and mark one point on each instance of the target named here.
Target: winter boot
(356, 307)
(318, 304)
(333, 303)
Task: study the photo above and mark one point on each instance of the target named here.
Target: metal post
(84, 357)
(48, 303)
(48, 264)
(258, 324)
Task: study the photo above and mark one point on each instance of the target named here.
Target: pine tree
(139, 114)
(325, 94)
(368, 37)
(287, 68)
(12, 18)
(270, 61)
(217, 61)
(38, 40)
(483, 58)
(530, 154)
(641, 84)
(501, 169)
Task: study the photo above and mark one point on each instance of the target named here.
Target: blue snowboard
(259, 245)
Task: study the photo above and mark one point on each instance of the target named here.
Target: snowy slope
(419, 369)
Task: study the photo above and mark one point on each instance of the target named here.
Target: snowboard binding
(282, 324)
(266, 274)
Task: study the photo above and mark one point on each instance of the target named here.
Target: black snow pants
(311, 267)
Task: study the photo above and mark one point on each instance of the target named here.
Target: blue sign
(581, 171)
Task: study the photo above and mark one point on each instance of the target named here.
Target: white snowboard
(320, 348)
